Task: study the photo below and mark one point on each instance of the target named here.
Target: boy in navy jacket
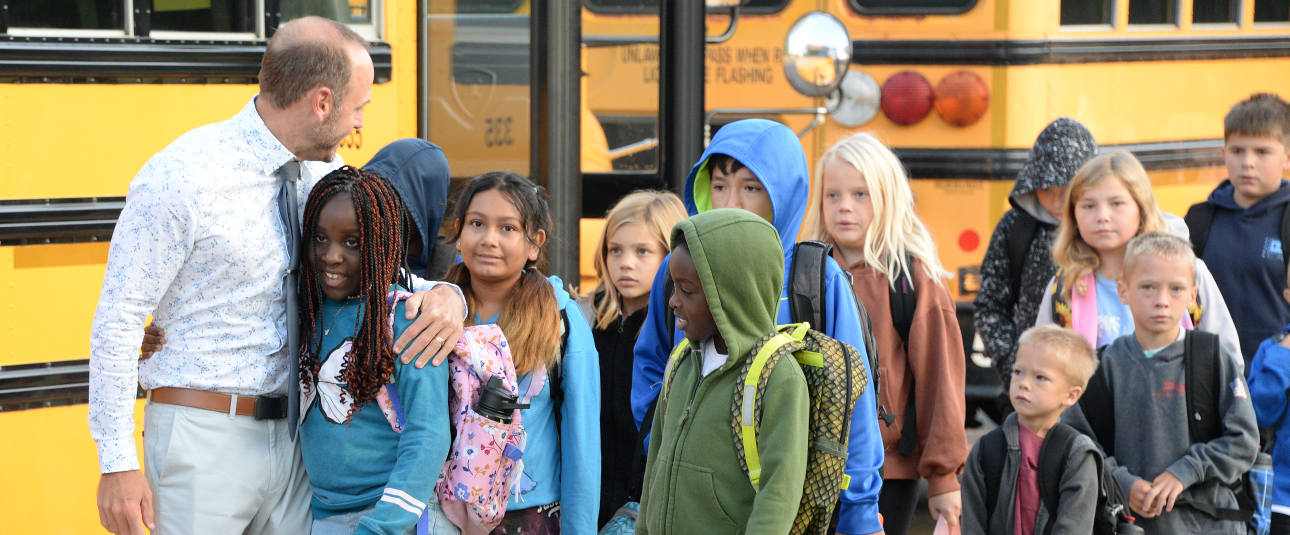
(1242, 241)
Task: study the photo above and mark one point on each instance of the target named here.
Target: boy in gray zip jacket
(1161, 471)
(1052, 367)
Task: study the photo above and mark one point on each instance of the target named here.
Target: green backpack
(835, 377)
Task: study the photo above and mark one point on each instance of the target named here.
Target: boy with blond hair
(1170, 407)
(1239, 231)
(1053, 366)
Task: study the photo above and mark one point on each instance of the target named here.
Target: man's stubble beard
(325, 136)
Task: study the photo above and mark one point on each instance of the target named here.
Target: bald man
(202, 246)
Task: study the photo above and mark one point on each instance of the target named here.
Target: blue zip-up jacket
(1244, 253)
(565, 467)
(773, 154)
(1269, 382)
(362, 462)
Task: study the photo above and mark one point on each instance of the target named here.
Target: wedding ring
(439, 339)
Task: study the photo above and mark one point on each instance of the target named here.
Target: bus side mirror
(817, 51)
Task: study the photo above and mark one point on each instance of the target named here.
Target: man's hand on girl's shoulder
(436, 329)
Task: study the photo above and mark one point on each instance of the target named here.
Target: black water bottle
(1128, 528)
(497, 403)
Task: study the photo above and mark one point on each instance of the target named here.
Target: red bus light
(961, 98)
(906, 98)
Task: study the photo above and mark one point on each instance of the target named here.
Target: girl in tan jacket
(861, 203)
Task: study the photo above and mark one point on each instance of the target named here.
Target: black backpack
(1201, 216)
(1112, 510)
(806, 303)
(1020, 236)
(1201, 357)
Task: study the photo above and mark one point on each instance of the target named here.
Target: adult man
(203, 244)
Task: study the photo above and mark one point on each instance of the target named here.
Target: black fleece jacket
(620, 472)
(1000, 315)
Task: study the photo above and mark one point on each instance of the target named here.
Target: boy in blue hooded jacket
(1269, 381)
(758, 165)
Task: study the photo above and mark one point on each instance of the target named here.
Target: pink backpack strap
(1084, 308)
(537, 380)
(387, 398)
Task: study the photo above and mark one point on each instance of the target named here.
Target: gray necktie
(288, 209)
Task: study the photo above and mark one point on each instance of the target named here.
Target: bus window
(67, 14)
(478, 91)
(907, 7)
(1153, 12)
(344, 11)
(1085, 12)
(220, 16)
(1271, 11)
(475, 7)
(756, 7)
(1214, 11)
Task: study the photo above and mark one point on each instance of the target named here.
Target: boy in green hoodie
(726, 299)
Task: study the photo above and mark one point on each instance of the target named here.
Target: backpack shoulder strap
(588, 308)
(1201, 357)
(1053, 455)
(394, 409)
(807, 283)
(747, 412)
(903, 302)
(1061, 301)
(1285, 231)
(1199, 218)
(992, 449)
(669, 315)
(1021, 235)
(871, 354)
(1098, 407)
(677, 353)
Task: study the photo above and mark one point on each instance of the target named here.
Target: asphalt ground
(923, 521)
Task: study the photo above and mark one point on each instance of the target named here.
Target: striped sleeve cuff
(117, 455)
(404, 501)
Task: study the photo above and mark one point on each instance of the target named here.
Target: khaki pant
(210, 474)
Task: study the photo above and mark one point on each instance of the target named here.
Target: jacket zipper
(682, 432)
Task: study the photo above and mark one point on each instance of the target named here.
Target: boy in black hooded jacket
(1009, 297)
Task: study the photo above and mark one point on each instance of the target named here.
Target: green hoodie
(693, 480)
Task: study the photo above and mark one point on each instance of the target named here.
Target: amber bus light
(906, 98)
(961, 98)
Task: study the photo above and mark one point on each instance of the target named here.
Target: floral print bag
(484, 463)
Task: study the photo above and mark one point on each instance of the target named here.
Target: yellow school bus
(1152, 76)
(961, 88)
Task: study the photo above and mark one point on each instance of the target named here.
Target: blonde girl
(631, 248)
(634, 243)
(862, 204)
(1107, 204)
(500, 229)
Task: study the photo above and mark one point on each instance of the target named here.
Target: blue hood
(419, 171)
(774, 155)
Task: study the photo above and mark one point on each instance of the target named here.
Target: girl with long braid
(500, 228)
(366, 477)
